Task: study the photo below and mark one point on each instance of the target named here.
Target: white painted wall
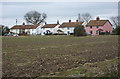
(36, 31)
(67, 29)
(15, 31)
(53, 30)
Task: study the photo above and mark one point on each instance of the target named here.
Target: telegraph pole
(16, 21)
(79, 17)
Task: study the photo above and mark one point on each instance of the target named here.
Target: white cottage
(27, 29)
(68, 27)
(48, 29)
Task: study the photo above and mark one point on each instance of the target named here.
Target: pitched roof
(97, 22)
(25, 26)
(70, 24)
(49, 25)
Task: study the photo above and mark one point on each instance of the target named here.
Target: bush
(116, 31)
(71, 33)
(48, 34)
(79, 31)
(59, 34)
(5, 30)
(104, 33)
(0, 31)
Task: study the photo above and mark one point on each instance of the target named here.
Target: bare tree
(86, 17)
(35, 17)
(114, 20)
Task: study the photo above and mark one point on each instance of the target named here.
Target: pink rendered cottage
(95, 27)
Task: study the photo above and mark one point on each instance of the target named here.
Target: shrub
(79, 31)
(71, 33)
(116, 31)
(48, 34)
(0, 31)
(5, 30)
(104, 33)
(59, 34)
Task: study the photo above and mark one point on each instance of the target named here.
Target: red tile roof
(25, 26)
(49, 25)
(70, 24)
(97, 22)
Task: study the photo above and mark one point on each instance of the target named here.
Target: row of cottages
(68, 27)
(94, 27)
(65, 28)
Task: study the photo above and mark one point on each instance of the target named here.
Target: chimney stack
(23, 23)
(97, 18)
(76, 20)
(69, 20)
(57, 21)
(16, 21)
(45, 23)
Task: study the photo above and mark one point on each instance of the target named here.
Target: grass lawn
(62, 56)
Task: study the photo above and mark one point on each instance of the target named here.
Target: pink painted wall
(107, 27)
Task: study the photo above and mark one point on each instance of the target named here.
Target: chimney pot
(23, 23)
(97, 18)
(76, 20)
(57, 21)
(69, 20)
(45, 23)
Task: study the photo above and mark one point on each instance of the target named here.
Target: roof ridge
(45, 24)
(96, 23)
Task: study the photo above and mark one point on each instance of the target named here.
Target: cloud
(62, 11)
(60, 1)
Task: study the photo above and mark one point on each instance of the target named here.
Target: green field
(60, 56)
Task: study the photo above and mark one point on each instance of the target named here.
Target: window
(97, 32)
(91, 32)
(68, 33)
(91, 27)
(68, 28)
(97, 26)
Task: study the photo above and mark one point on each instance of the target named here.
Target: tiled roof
(49, 25)
(70, 24)
(25, 26)
(97, 23)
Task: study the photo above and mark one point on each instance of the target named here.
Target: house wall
(39, 30)
(56, 28)
(44, 30)
(15, 31)
(93, 29)
(67, 29)
(32, 31)
(107, 27)
(53, 30)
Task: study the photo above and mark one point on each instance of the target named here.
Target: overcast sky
(62, 11)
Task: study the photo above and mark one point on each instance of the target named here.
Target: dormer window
(91, 27)
(97, 26)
